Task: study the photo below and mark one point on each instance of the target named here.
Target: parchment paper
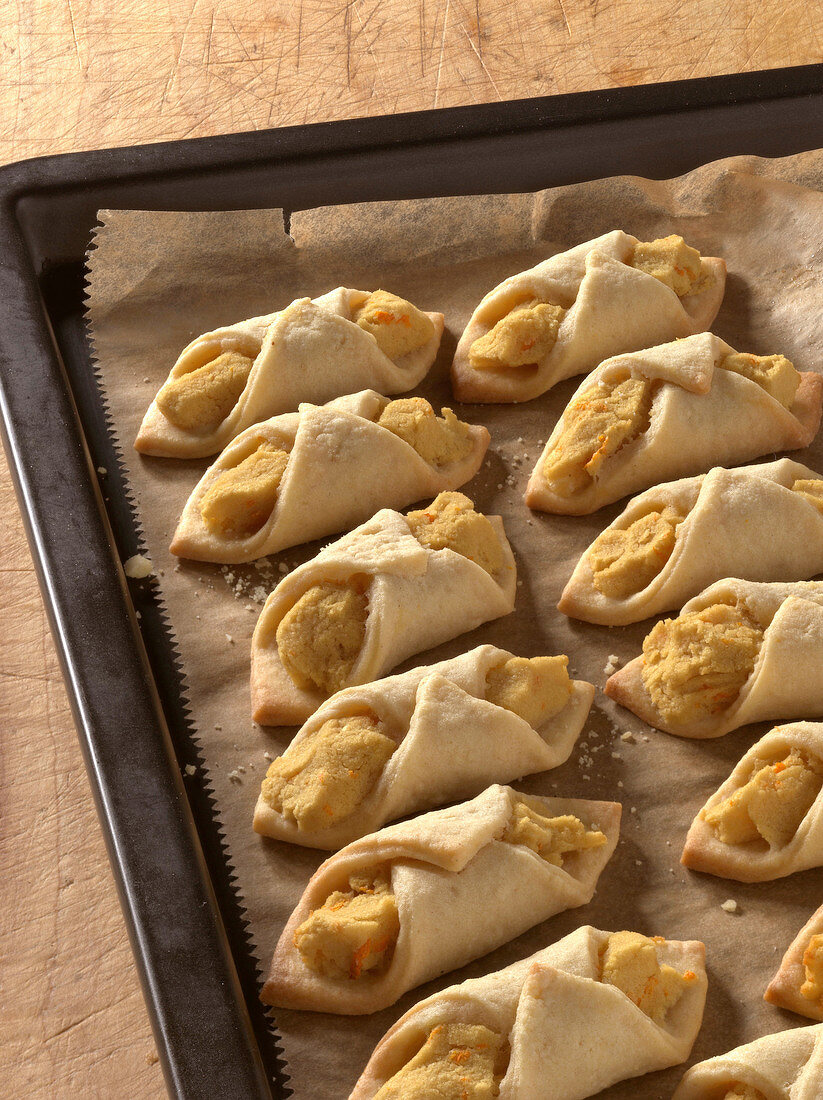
(159, 279)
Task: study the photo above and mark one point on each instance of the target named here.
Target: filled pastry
(667, 412)
(784, 1066)
(741, 651)
(766, 820)
(426, 896)
(313, 350)
(324, 469)
(572, 311)
(429, 736)
(391, 588)
(762, 523)
(798, 983)
(593, 1009)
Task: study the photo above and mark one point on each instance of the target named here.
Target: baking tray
(176, 887)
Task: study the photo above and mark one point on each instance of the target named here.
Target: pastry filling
(694, 666)
(319, 639)
(354, 932)
(397, 325)
(625, 561)
(674, 263)
(812, 988)
(771, 805)
(740, 1091)
(629, 962)
(811, 489)
(202, 399)
(534, 688)
(595, 426)
(325, 777)
(457, 1062)
(550, 837)
(239, 502)
(523, 338)
(774, 373)
(451, 523)
(440, 441)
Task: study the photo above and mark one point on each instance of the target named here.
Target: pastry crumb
(190, 769)
(138, 567)
(102, 471)
(730, 906)
(612, 665)
(628, 737)
(235, 776)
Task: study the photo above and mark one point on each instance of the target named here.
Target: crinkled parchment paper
(159, 279)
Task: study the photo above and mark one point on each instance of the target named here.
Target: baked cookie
(572, 311)
(417, 899)
(741, 651)
(667, 412)
(391, 588)
(593, 1009)
(798, 983)
(784, 1066)
(322, 470)
(762, 523)
(766, 820)
(432, 735)
(341, 342)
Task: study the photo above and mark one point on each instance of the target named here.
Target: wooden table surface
(81, 74)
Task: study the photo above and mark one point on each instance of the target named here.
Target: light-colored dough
(784, 1066)
(417, 597)
(569, 1033)
(766, 820)
(461, 889)
(433, 735)
(696, 685)
(346, 460)
(675, 539)
(575, 309)
(309, 351)
(798, 983)
(700, 416)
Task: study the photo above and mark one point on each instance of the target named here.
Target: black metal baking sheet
(176, 889)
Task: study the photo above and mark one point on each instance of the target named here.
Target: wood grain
(82, 74)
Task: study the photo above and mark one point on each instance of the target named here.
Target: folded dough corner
(432, 736)
(313, 350)
(739, 652)
(760, 523)
(340, 466)
(577, 308)
(668, 412)
(785, 1066)
(558, 1022)
(428, 895)
(377, 596)
(798, 983)
(766, 820)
